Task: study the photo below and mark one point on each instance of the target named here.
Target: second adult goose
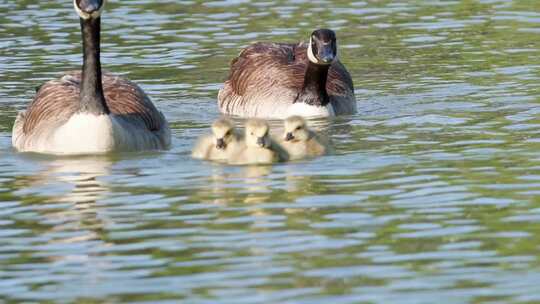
(278, 80)
(87, 112)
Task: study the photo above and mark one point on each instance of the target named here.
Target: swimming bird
(218, 145)
(258, 147)
(278, 80)
(89, 112)
(301, 142)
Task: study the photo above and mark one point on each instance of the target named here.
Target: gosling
(218, 145)
(258, 148)
(301, 142)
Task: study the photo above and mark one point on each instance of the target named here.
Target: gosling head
(89, 9)
(322, 48)
(257, 133)
(223, 131)
(296, 129)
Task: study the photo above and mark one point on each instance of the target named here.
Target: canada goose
(219, 144)
(87, 112)
(299, 141)
(278, 80)
(258, 148)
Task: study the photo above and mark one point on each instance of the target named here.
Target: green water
(432, 195)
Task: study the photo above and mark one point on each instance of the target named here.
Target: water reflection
(248, 184)
(82, 175)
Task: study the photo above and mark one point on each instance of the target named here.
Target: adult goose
(90, 112)
(278, 80)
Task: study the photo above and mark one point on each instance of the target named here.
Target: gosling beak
(261, 142)
(220, 144)
(289, 136)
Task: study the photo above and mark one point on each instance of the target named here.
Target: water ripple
(431, 194)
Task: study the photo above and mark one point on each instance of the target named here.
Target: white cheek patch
(310, 54)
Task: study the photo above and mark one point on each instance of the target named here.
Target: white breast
(303, 109)
(84, 133)
(81, 134)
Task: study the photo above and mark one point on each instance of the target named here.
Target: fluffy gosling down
(218, 145)
(258, 148)
(301, 142)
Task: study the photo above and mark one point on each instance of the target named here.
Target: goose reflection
(64, 195)
(82, 175)
(227, 185)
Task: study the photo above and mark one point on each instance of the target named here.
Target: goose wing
(128, 100)
(263, 66)
(55, 102)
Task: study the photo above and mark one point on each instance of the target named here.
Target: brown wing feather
(126, 98)
(57, 100)
(54, 103)
(262, 65)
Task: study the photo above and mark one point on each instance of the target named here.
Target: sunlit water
(432, 194)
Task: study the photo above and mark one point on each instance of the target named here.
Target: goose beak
(90, 6)
(326, 54)
(289, 136)
(220, 144)
(261, 142)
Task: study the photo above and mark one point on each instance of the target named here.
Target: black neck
(314, 88)
(92, 98)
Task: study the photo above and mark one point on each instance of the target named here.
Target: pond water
(432, 194)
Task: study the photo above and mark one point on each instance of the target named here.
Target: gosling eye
(298, 128)
(228, 133)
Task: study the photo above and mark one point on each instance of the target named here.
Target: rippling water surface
(432, 195)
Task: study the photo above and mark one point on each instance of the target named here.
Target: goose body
(278, 80)
(89, 112)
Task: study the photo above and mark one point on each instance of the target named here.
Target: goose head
(223, 132)
(257, 133)
(89, 9)
(296, 129)
(322, 49)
